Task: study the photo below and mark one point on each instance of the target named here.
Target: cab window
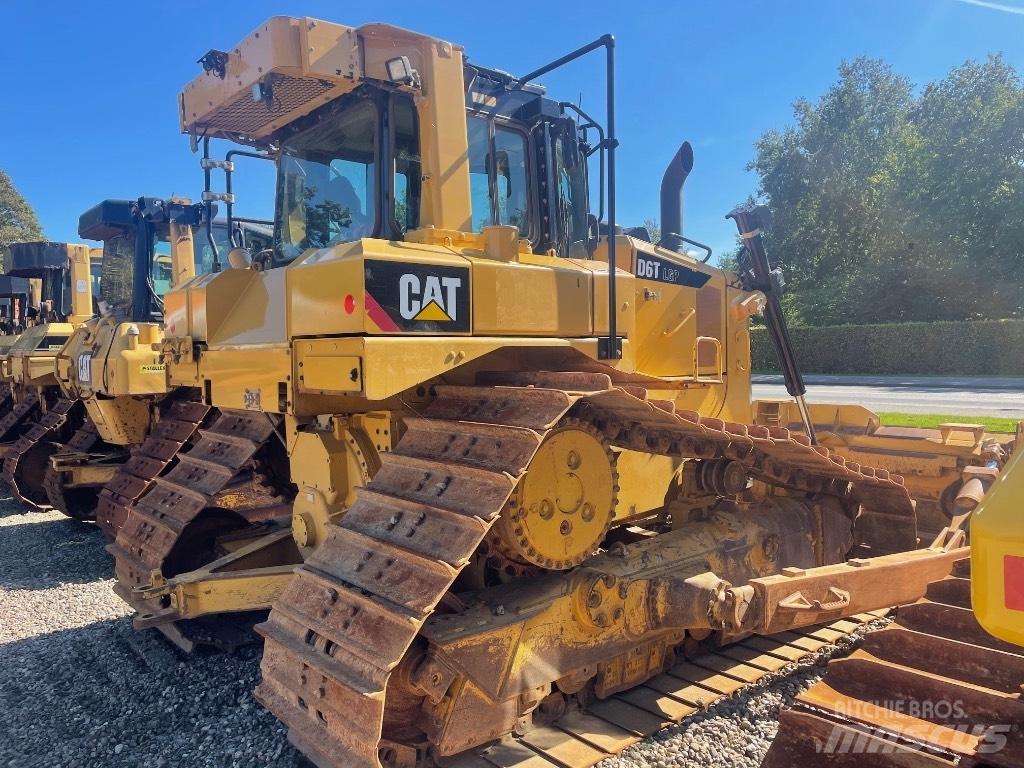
(479, 174)
(408, 167)
(160, 269)
(510, 177)
(95, 271)
(571, 183)
(326, 182)
(499, 183)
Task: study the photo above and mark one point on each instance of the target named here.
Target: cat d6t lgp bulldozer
(491, 459)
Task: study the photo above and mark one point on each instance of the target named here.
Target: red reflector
(1013, 582)
(350, 304)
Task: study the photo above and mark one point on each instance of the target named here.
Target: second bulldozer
(112, 366)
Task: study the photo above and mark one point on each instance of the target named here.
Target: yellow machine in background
(935, 464)
(997, 555)
(941, 684)
(110, 367)
(509, 447)
(38, 414)
(112, 364)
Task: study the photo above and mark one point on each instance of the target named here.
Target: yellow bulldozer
(111, 366)
(491, 459)
(37, 414)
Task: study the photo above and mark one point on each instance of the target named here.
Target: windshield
(326, 188)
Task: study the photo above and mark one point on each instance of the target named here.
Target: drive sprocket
(562, 508)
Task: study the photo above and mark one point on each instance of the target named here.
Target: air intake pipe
(672, 197)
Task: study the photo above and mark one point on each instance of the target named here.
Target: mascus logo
(424, 298)
(432, 298)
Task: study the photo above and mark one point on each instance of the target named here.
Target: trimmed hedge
(966, 348)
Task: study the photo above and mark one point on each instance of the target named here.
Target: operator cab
(527, 163)
(137, 264)
(354, 167)
(332, 187)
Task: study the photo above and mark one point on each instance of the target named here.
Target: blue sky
(91, 87)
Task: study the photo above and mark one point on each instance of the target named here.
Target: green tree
(894, 206)
(18, 221)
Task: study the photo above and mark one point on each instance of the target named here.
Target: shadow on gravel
(107, 695)
(44, 554)
(9, 506)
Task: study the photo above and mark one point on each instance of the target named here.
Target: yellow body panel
(997, 555)
(33, 356)
(110, 367)
(81, 283)
(245, 318)
(543, 296)
(247, 378)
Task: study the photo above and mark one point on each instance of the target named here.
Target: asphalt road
(948, 395)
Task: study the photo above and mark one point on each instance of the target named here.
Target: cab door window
(498, 179)
(326, 182)
(571, 188)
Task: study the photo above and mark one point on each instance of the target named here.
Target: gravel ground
(737, 731)
(79, 687)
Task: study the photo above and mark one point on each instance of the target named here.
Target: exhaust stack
(672, 197)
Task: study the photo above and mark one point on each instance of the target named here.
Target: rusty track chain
(17, 414)
(220, 457)
(72, 503)
(147, 461)
(25, 461)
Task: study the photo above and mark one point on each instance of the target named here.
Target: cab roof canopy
(289, 67)
(106, 219)
(32, 259)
